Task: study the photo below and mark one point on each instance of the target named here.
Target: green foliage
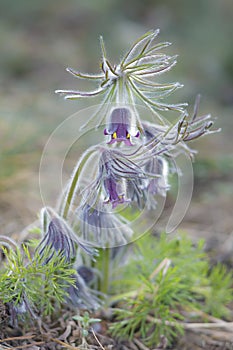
(152, 307)
(149, 252)
(219, 292)
(26, 278)
(85, 322)
(165, 277)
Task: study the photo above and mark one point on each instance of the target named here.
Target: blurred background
(38, 39)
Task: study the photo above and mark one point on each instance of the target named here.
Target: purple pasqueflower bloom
(58, 238)
(103, 227)
(87, 273)
(115, 170)
(80, 295)
(120, 126)
(19, 309)
(112, 188)
(61, 239)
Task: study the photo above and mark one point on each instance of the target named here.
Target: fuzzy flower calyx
(58, 239)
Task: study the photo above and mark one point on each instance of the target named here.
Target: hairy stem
(73, 185)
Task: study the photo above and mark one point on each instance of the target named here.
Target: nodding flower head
(103, 227)
(115, 171)
(19, 309)
(120, 126)
(81, 296)
(59, 240)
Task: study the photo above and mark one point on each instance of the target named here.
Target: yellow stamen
(114, 135)
(128, 136)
